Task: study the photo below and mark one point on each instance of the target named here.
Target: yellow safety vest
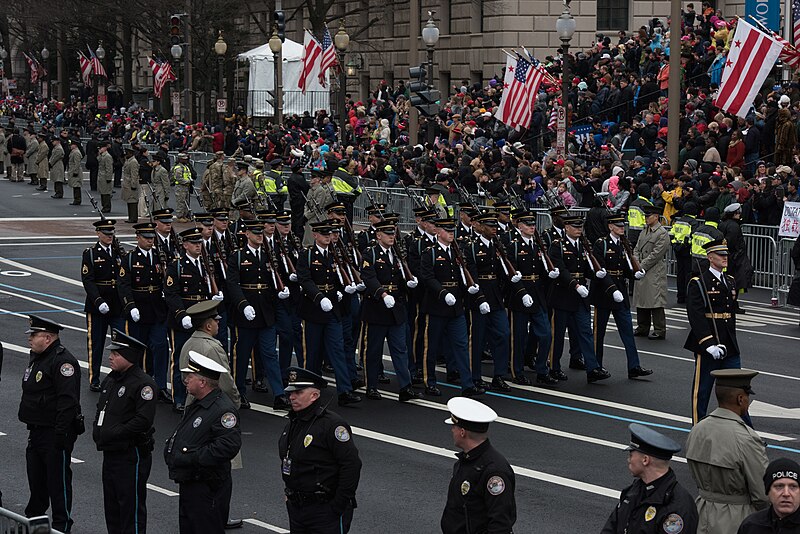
(680, 232)
(271, 184)
(342, 187)
(181, 175)
(257, 180)
(445, 206)
(636, 217)
(699, 239)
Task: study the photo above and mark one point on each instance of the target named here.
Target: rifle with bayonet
(339, 254)
(119, 252)
(400, 255)
(210, 274)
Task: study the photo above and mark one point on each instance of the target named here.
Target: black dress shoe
(433, 391)
(597, 374)
(547, 380)
(348, 398)
(638, 371)
(373, 394)
(244, 403)
(479, 383)
(164, 396)
(407, 394)
(56, 196)
(179, 408)
(281, 403)
(473, 392)
(233, 523)
(260, 387)
(498, 384)
(74, 203)
(639, 333)
(357, 383)
(559, 375)
(579, 365)
(522, 380)
(383, 379)
(95, 387)
(656, 337)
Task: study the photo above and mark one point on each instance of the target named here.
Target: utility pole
(674, 88)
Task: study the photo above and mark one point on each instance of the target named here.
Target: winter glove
(326, 304)
(249, 313)
(388, 301)
(449, 299)
(135, 315)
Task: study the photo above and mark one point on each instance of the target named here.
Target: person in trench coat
(57, 168)
(650, 292)
(130, 185)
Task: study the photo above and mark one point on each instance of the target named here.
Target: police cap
(300, 378)
(130, 348)
(470, 414)
(647, 441)
(203, 366)
(39, 324)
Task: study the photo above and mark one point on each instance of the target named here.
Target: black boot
(34, 180)
(76, 196)
(105, 202)
(58, 187)
(133, 214)
(42, 184)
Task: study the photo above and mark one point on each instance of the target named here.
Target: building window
(612, 15)
(476, 20)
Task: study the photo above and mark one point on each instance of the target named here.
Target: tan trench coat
(57, 163)
(651, 251)
(130, 181)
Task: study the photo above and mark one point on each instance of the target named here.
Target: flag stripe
(731, 83)
(751, 74)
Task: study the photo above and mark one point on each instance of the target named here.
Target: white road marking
(161, 490)
(73, 460)
(40, 219)
(267, 526)
(50, 237)
(48, 274)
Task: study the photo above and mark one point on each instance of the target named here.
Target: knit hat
(780, 468)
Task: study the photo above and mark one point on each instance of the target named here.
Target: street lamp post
(276, 45)
(46, 81)
(3, 56)
(177, 51)
(342, 40)
(101, 88)
(220, 48)
(565, 28)
(430, 36)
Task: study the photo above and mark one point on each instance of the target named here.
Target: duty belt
(147, 289)
(487, 277)
(255, 286)
(194, 297)
(576, 275)
(529, 277)
(303, 497)
(719, 315)
(390, 287)
(616, 273)
(449, 284)
(325, 287)
(110, 283)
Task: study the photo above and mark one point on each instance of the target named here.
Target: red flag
(86, 69)
(312, 52)
(34, 66)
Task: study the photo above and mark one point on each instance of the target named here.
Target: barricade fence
(11, 523)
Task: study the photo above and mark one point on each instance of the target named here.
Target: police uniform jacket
(125, 412)
(659, 507)
(317, 278)
(250, 283)
(440, 274)
(141, 284)
(382, 274)
(480, 497)
(684, 248)
(51, 394)
(184, 287)
(699, 305)
(613, 258)
(573, 270)
(766, 522)
(206, 440)
(486, 270)
(99, 271)
(319, 458)
(529, 261)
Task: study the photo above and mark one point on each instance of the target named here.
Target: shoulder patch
(147, 393)
(496, 485)
(85, 269)
(673, 524)
(341, 433)
(67, 370)
(228, 420)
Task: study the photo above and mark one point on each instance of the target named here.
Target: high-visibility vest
(181, 175)
(271, 179)
(445, 206)
(258, 180)
(701, 238)
(636, 217)
(341, 186)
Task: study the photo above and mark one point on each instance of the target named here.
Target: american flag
(97, 66)
(329, 58)
(789, 54)
(86, 69)
(796, 21)
(34, 65)
(551, 124)
(162, 73)
(520, 83)
(312, 52)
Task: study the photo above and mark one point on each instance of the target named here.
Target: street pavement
(566, 444)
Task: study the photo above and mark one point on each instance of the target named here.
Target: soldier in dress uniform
(366, 238)
(656, 502)
(416, 243)
(123, 432)
(711, 310)
(222, 246)
(51, 409)
(609, 295)
(384, 311)
(319, 461)
(444, 302)
(199, 452)
(165, 242)
(103, 307)
(464, 231)
(480, 496)
(504, 226)
(187, 283)
(141, 288)
(569, 300)
(320, 309)
(290, 327)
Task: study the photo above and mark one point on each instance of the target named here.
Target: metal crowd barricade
(11, 523)
(762, 251)
(785, 272)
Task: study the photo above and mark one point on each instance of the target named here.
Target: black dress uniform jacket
(366, 239)
(659, 507)
(141, 284)
(316, 276)
(573, 268)
(441, 275)
(51, 390)
(382, 275)
(318, 453)
(99, 272)
(487, 271)
(699, 303)
(250, 283)
(528, 260)
(128, 406)
(612, 257)
(480, 498)
(206, 440)
(168, 246)
(184, 287)
(766, 522)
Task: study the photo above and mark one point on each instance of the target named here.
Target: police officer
(681, 238)
(199, 452)
(319, 461)
(103, 307)
(655, 502)
(783, 489)
(123, 432)
(711, 310)
(480, 497)
(182, 176)
(51, 409)
(141, 287)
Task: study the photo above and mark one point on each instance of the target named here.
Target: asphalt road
(566, 443)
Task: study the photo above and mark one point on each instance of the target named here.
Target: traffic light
(424, 97)
(280, 24)
(175, 30)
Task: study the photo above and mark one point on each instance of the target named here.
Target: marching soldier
(609, 295)
(465, 233)
(165, 243)
(416, 243)
(569, 299)
(290, 327)
(504, 226)
(384, 311)
(182, 178)
(228, 183)
(320, 194)
(366, 238)
(51, 408)
(187, 283)
(123, 432)
(221, 248)
(74, 173)
(105, 176)
(141, 288)
(103, 307)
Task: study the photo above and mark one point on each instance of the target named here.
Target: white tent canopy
(262, 79)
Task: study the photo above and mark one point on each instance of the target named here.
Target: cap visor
(449, 421)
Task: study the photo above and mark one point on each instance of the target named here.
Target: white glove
(601, 274)
(388, 300)
(555, 273)
(484, 308)
(413, 283)
(582, 291)
(473, 289)
(135, 315)
(716, 352)
(339, 295)
(516, 278)
(283, 294)
(449, 299)
(527, 301)
(639, 274)
(352, 288)
(293, 277)
(617, 296)
(218, 296)
(104, 309)
(186, 322)
(361, 286)
(326, 304)
(249, 313)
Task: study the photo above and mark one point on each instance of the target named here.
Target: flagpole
(788, 18)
